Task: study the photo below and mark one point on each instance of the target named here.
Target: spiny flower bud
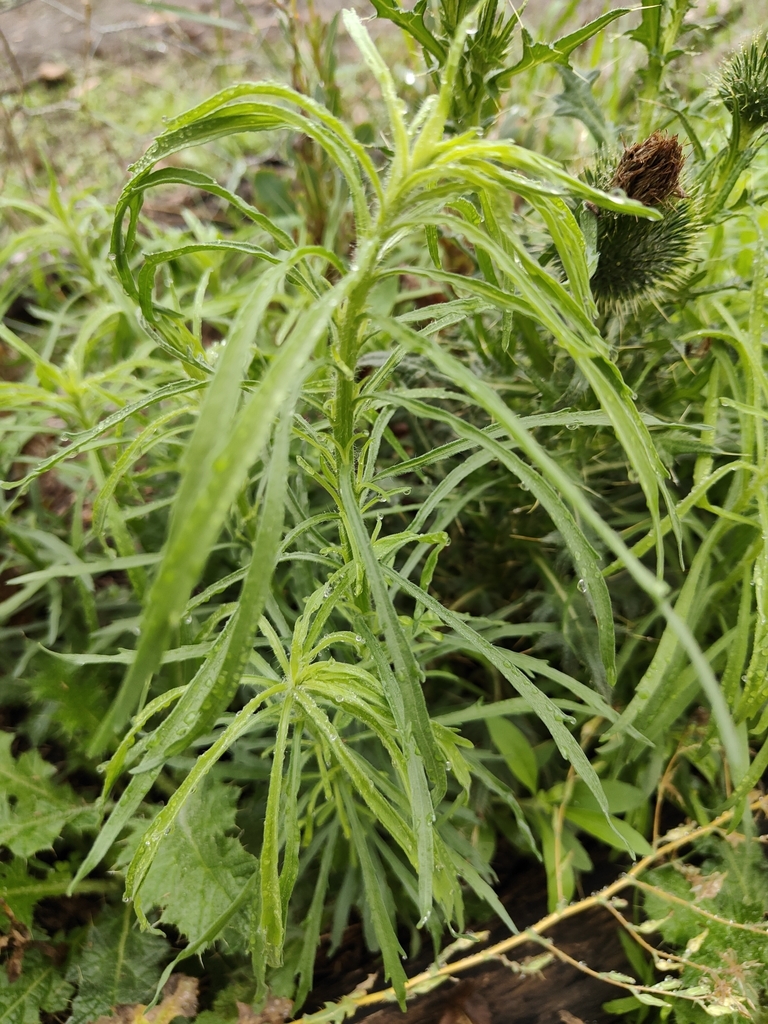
(743, 85)
(638, 258)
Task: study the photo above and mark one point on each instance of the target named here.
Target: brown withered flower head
(649, 171)
(639, 260)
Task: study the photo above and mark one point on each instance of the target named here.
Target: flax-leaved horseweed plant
(474, 344)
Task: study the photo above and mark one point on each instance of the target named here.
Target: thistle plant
(743, 88)
(341, 688)
(485, 71)
(638, 260)
(743, 85)
(407, 557)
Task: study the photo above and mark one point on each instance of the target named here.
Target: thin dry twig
(600, 898)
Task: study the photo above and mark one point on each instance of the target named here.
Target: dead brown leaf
(276, 1011)
(13, 943)
(704, 887)
(365, 986)
(569, 1018)
(125, 1013)
(179, 1000)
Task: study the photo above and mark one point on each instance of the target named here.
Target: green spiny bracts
(743, 85)
(639, 259)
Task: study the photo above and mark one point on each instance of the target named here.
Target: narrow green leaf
(202, 505)
(374, 880)
(313, 920)
(423, 817)
(395, 106)
(595, 823)
(154, 835)
(407, 671)
(541, 705)
(271, 901)
(516, 751)
(78, 442)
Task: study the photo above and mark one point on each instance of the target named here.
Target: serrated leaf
(557, 52)
(413, 23)
(199, 870)
(21, 890)
(576, 100)
(40, 988)
(14, 880)
(118, 964)
(33, 811)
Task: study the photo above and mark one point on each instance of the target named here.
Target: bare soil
(42, 34)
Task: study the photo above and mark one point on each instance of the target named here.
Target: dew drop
(448, 766)
(188, 620)
(147, 842)
(582, 586)
(358, 639)
(328, 591)
(409, 78)
(572, 426)
(136, 631)
(101, 768)
(113, 256)
(167, 832)
(126, 899)
(379, 517)
(433, 817)
(744, 678)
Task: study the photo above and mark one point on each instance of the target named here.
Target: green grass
(345, 537)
